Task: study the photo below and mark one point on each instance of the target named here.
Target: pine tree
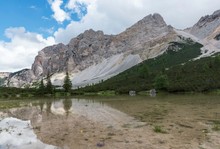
(67, 84)
(49, 86)
(143, 72)
(161, 82)
(41, 88)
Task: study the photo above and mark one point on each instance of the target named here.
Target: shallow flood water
(168, 121)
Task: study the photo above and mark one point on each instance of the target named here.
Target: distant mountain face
(93, 47)
(93, 56)
(207, 30)
(3, 77)
(4, 74)
(207, 26)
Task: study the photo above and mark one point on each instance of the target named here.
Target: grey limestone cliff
(92, 47)
(207, 25)
(92, 51)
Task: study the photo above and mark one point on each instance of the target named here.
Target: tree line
(48, 87)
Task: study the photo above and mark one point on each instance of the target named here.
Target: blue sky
(34, 15)
(28, 26)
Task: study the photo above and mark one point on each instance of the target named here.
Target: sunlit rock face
(21, 78)
(92, 47)
(92, 51)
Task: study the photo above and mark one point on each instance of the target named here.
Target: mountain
(207, 32)
(173, 71)
(93, 57)
(170, 64)
(3, 76)
(207, 27)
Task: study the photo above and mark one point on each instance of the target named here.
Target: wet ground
(162, 122)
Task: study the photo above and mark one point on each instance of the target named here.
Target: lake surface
(165, 121)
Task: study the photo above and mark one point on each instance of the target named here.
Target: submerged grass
(10, 104)
(159, 129)
(216, 125)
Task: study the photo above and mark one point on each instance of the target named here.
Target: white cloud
(72, 3)
(59, 14)
(47, 30)
(20, 52)
(77, 6)
(116, 15)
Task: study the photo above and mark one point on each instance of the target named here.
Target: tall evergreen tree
(67, 84)
(49, 86)
(143, 71)
(161, 82)
(41, 88)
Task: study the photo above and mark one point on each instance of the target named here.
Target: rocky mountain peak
(216, 13)
(93, 56)
(88, 34)
(86, 38)
(91, 47)
(155, 19)
(206, 26)
(208, 18)
(150, 28)
(91, 33)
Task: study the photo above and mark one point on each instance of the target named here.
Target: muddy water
(168, 121)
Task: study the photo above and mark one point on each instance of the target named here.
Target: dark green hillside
(200, 75)
(149, 73)
(177, 53)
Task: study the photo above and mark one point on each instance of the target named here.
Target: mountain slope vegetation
(174, 71)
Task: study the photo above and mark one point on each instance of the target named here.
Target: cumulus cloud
(116, 15)
(47, 30)
(20, 52)
(72, 3)
(59, 14)
(78, 6)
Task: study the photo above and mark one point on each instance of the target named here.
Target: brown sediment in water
(91, 124)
